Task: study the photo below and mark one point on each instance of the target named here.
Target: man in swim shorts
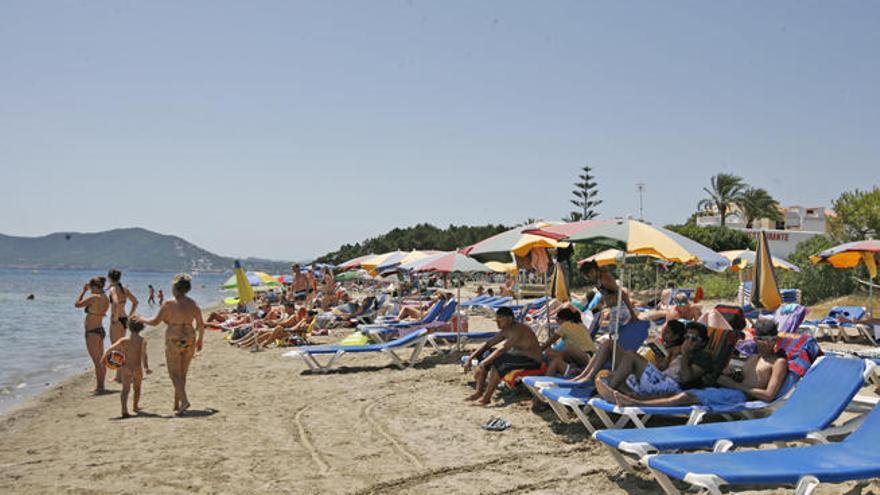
(519, 350)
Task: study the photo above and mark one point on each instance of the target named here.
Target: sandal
(496, 424)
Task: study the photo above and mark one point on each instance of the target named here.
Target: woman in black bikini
(95, 306)
(119, 295)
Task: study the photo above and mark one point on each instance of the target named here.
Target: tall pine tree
(585, 192)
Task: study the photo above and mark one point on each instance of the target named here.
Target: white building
(799, 223)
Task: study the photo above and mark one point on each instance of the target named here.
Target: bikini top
(110, 294)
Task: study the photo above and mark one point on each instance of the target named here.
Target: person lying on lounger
(673, 336)
(519, 350)
(679, 370)
(419, 312)
(761, 378)
(680, 309)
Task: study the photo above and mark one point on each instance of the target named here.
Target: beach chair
(854, 458)
(563, 397)
(429, 317)
(830, 325)
(820, 398)
(476, 300)
(385, 333)
(414, 341)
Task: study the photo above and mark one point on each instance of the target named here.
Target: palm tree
(755, 203)
(726, 190)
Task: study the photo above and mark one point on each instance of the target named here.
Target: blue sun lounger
(415, 340)
(854, 458)
(430, 316)
(383, 334)
(476, 300)
(821, 396)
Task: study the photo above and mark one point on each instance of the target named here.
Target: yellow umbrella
(740, 259)
(765, 291)
(558, 287)
(245, 291)
(500, 267)
(379, 259)
(610, 257)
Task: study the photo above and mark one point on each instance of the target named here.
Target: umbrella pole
(458, 318)
(616, 335)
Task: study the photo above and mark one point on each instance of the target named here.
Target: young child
(134, 348)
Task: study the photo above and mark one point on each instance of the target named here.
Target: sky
(284, 129)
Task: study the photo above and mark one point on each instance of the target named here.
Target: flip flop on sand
(496, 424)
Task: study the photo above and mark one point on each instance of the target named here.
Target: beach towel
(801, 351)
(718, 397)
(652, 383)
(515, 376)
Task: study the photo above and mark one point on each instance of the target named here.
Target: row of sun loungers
(805, 412)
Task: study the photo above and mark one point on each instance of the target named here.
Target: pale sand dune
(260, 424)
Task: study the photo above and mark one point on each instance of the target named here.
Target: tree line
(423, 236)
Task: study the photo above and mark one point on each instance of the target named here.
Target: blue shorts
(718, 397)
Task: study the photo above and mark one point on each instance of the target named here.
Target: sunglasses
(695, 338)
(681, 303)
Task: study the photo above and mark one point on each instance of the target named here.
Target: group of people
(184, 335)
(683, 374)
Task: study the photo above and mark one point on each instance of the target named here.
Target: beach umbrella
(454, 262)
(636, 237)
(740, 259)
(499, 267)
(500, 246)
(245, 292)
(354, 262)
(255, 279)
(370, 264)
(398, 260)
(850, 255)
(558, 286)
(765, 290)
(352, 275)
(611, 256)
(414, 265)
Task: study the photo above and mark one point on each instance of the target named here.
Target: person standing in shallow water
(151, 300)
(161, 297)
(95, 306)
(184, 336)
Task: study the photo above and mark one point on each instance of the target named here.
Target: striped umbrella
(394, 262)
(380, 259)
(354, 262)
(740, 259)
(637, 237)
(454, 262)
(255, 279)
(500, 246)
(765, 290)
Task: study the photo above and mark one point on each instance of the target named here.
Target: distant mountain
(133, 249)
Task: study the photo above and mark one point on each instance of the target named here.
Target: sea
(42, 340)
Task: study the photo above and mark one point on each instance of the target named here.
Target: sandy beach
(261, 423)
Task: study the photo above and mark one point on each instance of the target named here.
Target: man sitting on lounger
(520, 351)
(761, 378)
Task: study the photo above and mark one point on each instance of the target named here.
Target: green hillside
(128, 249)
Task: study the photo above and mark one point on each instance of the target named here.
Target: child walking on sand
(134, 350)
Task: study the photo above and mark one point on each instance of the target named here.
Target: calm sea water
(41, 341)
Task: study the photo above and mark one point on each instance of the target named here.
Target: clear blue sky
(282, 129)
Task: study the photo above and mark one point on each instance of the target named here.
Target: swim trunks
(509, 362)
(652, 383)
